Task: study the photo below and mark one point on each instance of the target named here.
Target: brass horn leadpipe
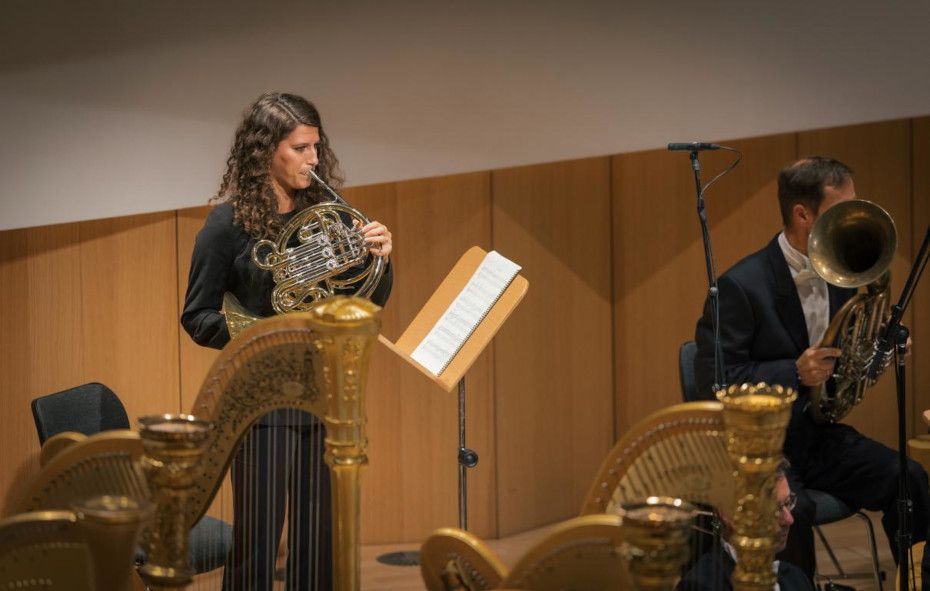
(852, 244)
(329, 189)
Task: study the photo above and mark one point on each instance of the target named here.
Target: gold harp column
(173, 447)
(657, 532)
(112, 525)
(347, 328)
(755, 418)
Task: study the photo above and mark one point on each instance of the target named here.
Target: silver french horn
(328, 245)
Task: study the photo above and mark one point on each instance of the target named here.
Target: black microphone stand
(713, 293)
(895, 335)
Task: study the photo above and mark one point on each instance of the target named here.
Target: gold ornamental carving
(755, 417)
(173, 446)
(656, 533)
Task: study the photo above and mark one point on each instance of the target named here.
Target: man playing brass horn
(267, 182)
(774, 311)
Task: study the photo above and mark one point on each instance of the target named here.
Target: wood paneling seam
(177, 311)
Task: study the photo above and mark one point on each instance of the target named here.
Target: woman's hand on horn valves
(379, 237)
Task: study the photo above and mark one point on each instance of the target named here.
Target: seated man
(714, 570)
(774, 311)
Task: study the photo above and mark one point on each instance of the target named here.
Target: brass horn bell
(852, 244)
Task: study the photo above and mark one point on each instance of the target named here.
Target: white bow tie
(807, 277)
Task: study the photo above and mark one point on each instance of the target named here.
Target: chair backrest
(88, 409)
(686, 355)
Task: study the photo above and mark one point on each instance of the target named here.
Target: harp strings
(661, 470)
(281, 509)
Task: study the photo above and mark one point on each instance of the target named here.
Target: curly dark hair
(246, 182)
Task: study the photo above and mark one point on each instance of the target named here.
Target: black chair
(88, 409)
(827, 508)
(92, 408)
(686, 355)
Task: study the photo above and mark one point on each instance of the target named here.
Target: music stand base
(407, 558)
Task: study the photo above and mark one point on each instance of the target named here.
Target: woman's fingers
(379, 237)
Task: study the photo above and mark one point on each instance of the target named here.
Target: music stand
(454, 374)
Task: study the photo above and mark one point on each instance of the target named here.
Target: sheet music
(466, 311)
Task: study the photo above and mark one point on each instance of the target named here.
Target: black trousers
(862, 473)
(280, 466)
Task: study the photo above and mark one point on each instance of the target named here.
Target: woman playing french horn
(267, 182)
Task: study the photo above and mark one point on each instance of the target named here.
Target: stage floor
(847, 538)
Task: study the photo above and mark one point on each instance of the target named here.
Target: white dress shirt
(812, 290)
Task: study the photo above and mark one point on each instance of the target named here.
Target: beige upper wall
(113, 108)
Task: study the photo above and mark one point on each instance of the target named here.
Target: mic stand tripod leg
(467, 458)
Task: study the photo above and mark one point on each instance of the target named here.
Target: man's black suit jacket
(714, 570)
(762, 333)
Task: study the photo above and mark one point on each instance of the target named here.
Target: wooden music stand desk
(454, 374)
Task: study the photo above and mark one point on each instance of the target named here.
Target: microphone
(692, 147)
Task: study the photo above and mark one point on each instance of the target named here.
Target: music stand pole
(467, 458)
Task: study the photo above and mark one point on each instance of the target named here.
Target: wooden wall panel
(19, 444)
(41, 320)
(410, 487)
(87, 302)
(553, 377)
(879, 153)
(918, 366)
(129, 282)
(660, 280)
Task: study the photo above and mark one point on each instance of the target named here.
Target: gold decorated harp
(679, 452)
(633, 530)
(314, 361)
(89, 548)
(722, 454)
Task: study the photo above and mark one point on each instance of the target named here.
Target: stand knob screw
(468, 457)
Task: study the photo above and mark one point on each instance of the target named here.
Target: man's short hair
(803, 182)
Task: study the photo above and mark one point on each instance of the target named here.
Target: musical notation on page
(466, 311)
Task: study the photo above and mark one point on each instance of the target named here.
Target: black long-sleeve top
(221, 262)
